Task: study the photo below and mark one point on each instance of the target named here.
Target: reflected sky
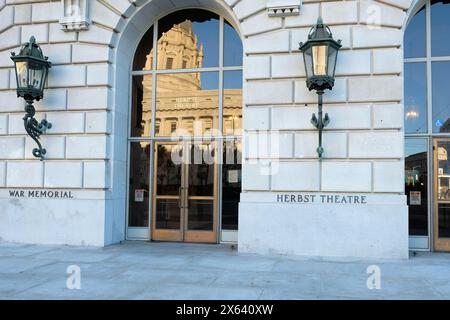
(209, 80)
(440, 28)
(415, 36)
(208, 35)
(415, 98)
(441, 96)
(415, 146)
(232, 80)
(233, 50)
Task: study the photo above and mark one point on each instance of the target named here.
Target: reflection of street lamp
(412, 113)
(31, 74)
(320, 55)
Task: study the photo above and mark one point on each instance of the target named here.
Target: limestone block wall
(78, 102)
(364, 141)
(87, 100)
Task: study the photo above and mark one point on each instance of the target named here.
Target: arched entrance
(185, 130)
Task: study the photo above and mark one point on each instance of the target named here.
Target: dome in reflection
(187, 103)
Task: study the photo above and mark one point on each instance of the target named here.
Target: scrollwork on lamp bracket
(320, 122)
(35, 129)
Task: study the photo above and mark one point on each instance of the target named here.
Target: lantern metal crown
(320, 55)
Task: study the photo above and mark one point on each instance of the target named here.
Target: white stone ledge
(358, 231)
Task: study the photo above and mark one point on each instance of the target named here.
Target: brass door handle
(180, 189)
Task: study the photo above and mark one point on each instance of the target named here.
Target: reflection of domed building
(183, 108)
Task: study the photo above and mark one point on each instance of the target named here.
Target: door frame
(439, 244)
(164, 234)
(184, 234)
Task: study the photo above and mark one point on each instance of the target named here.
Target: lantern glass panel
(22, 74)
(320, 59)
(332, 57)
(36, 77)
(307, 56)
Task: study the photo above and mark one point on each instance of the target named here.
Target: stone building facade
(350, 204)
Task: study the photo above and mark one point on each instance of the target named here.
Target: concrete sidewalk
(140, 270)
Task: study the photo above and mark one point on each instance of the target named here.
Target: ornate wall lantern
(320, 55)
(31, 75)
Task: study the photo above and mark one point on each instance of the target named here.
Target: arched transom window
(427, 66)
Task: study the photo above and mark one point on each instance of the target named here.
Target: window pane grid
(436, 52)
(233, 64)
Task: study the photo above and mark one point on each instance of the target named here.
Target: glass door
(185, 192)
(442, 195)
(167, 193)
(201, 193)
